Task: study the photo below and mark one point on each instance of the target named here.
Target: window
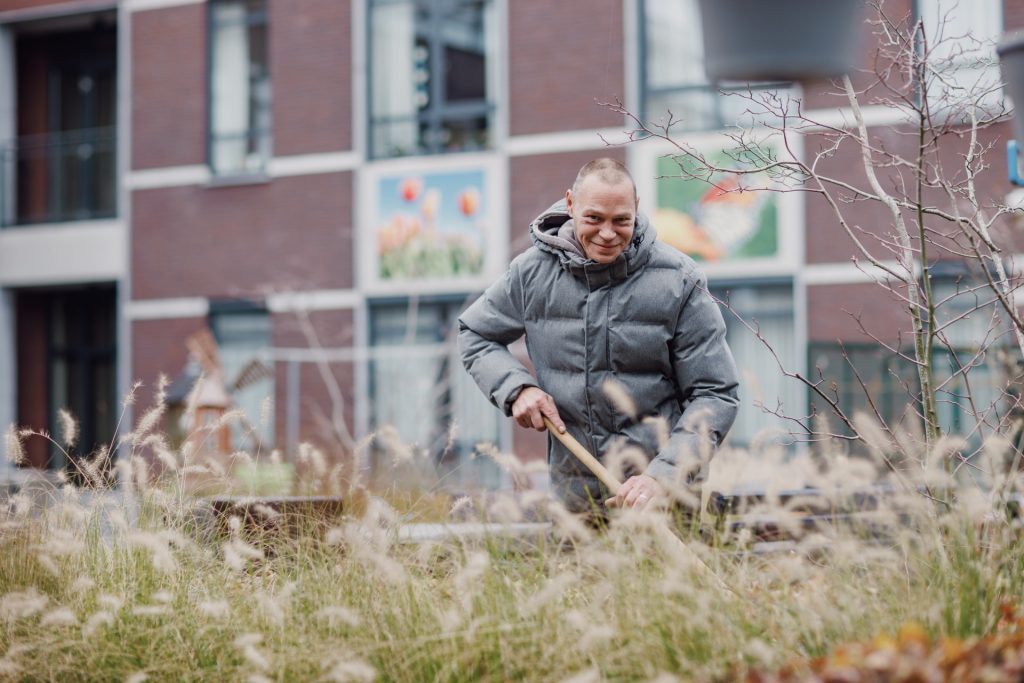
(239, 87)
(968, 403)
(82, 331)
(768, 308)
(672, 70)
(970, 320)
(62, 165)
(961, 38)
(243, 335)
(419, 387)
(888, 379)
(429, 85)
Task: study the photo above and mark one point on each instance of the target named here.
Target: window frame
(81, 356)
(220, 309)
(723, 292)
(950, 280)
(458, 455)
(263, 138)
(713, 89)
(996, 16)
(434, 118)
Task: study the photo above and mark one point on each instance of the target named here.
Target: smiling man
(600, 301)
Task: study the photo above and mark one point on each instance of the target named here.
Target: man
(601, 301)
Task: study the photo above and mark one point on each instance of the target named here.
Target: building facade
(324, 184)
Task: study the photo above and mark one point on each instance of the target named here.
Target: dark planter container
(1011, 64)
(780, 40)
(272, 516)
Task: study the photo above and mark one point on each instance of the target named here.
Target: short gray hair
(608, 170)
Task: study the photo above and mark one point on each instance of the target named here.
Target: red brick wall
(331, 330)
(538, 181)
(33, 369)
(310, 73)
(564, 58)
(32, 64)
(158, 346)
(62, 6)
(291, 233)
(828, 242)
(833, 312)
(1013, 15)
(169, 86)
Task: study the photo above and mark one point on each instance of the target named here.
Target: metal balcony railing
(59, 176)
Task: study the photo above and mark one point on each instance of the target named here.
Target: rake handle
(613, 484)
(584, 456)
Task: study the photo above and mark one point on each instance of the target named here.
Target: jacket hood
(553, 232)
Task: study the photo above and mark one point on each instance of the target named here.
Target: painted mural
(715, 221)
(431, 225)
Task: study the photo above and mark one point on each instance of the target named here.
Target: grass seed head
(13, 448)
(567, 524)
(592, 675)
(160, 554)
(61, 616)
(247, 643)
(147, 423)
(552, 591)
(22, 604)
(595, 636)
(266, 410)
(237, 554)
(505, 509)
(97, 621)
(661, 429)
(214, 609)
(83, 584)
(150, 610)
(272, 607)
(112, 603)
(334, 615)
(620, 398)
(349, 671)
(9, 669)
(68, 427)
(47, 563)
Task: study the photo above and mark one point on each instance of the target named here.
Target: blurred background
(298, 197)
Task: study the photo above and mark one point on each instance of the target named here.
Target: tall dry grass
(146, 585)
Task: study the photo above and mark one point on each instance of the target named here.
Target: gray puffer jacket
(644, 320)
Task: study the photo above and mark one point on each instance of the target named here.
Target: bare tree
(927, 183)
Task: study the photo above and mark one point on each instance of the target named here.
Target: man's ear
(568, 200)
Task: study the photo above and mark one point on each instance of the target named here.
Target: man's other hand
(532, 406)
(637, 492)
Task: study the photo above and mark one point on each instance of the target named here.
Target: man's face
(603, 215)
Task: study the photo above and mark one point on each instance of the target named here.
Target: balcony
(59, 176)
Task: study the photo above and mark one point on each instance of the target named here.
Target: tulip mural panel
(431, 225)
(714, 222)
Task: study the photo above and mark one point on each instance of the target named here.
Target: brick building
(325, 183)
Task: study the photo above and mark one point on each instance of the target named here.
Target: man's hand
(637, 492)
(530, 408)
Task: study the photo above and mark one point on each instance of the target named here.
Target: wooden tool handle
(584, 456)
(613, 484)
